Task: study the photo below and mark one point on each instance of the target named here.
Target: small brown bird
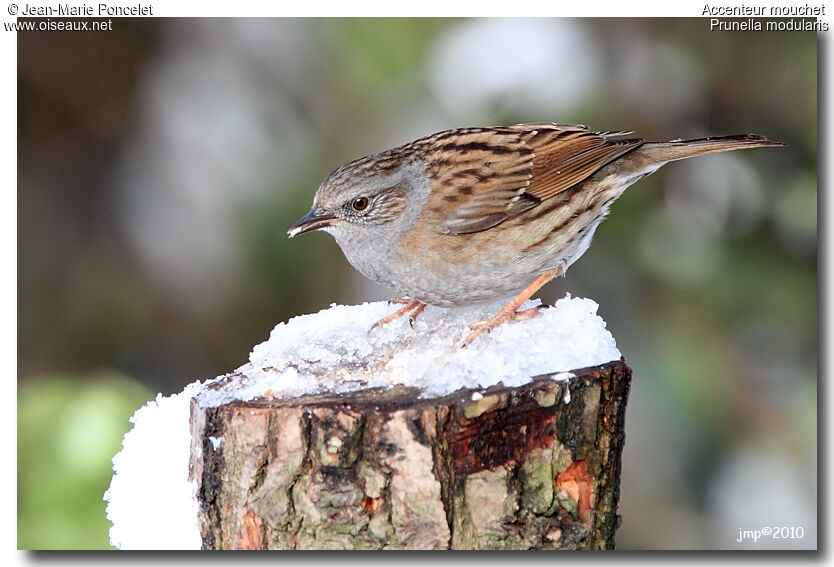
(477, 214)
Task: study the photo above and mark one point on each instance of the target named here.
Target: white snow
(333, 351)
(151, 501)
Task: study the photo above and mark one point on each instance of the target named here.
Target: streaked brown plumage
(475, 214)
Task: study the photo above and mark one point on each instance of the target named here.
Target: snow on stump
(332, 437)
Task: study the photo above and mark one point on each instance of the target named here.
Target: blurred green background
(160, 164)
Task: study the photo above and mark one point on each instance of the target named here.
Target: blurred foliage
(154, 196)
(68, 429)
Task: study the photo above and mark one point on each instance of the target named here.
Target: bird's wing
(483, 176)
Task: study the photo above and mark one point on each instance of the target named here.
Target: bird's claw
(503, 316)
(411, 306)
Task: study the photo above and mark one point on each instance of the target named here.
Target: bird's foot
(503, 316)
(411, 306)
(510, 311)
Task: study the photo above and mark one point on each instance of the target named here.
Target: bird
(472, 215)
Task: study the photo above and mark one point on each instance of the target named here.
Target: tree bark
(532, 467)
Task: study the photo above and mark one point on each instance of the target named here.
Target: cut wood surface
(531, 467)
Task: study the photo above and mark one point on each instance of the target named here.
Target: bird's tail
(680, 149)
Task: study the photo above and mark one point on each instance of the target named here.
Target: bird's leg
(410, 305)
(509, 311)
(417, 310)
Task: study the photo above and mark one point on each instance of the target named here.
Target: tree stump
(531, 467)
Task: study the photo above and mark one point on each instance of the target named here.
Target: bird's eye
(360, 204)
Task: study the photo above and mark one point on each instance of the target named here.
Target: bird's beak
(317, 218)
